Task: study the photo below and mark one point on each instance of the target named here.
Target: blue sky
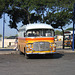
(8, 30)
(12, 32)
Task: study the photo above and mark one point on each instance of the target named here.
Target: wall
(7, 42)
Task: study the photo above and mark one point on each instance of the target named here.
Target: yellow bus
(36, 39)
(68, 38)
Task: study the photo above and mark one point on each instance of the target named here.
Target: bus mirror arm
(54, 33)
(24, 34)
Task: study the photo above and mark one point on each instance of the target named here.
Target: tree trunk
(63, 37)
(28, 17)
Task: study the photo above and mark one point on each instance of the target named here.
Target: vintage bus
(36, 39)
(68, 38)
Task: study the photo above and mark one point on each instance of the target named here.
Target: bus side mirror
(54, 33)
(24, 34)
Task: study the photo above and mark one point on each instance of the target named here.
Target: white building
(7, 42)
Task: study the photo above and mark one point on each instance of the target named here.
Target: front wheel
(28, 56)
(20, 52)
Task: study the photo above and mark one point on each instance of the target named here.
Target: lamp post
(73, 26)
(3, 28)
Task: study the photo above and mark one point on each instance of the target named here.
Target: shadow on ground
(51, 56)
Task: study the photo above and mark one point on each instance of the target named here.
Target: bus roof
(38, 26)
(69, 31)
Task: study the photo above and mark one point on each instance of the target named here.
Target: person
(16, 44)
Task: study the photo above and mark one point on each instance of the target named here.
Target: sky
(13, 32)
(8, 30)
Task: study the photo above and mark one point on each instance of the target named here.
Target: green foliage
(57, 32)
(69, 29)
(12, 37)
(6, 37)
(58, 13)
(0, 35)
(16, 35)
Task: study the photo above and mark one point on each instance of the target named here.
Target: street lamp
(3, 27)
(73, 25)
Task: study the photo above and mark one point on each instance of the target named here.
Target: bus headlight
(27, 46)
(54, 47)
(51, 45)
(30, 46)
(27, 49)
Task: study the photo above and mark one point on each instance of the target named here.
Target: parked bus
(36, 39)
(68, 38)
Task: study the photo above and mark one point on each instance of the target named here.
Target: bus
(68, 38)
(36, 39)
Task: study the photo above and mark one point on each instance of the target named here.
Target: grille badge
(41, 42)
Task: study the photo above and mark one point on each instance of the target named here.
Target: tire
(24, 52)
(51, 55)
(20, 52)
(28, 56)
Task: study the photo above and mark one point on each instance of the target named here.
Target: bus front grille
(41, 46)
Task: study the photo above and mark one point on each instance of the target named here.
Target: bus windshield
(40, 33)
(67, 37)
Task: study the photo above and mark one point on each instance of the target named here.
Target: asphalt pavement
(59, 64)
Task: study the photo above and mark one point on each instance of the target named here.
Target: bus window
(48, 33)
(40, 33)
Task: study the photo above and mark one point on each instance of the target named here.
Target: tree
(16, 35)
(55, 12)
(57, 32)
(0, 35)
(58, 13)
(19, 11)
(70, 29)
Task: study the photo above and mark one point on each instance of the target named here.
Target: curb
(8, 52)
(65, 51)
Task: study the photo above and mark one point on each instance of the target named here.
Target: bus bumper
(51, 52)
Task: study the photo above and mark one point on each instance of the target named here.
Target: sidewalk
(65, 51)
(8, 51)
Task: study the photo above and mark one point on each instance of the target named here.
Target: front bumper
(40, 52)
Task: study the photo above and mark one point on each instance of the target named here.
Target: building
(7, 42)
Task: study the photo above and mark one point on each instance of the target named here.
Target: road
(59, 64)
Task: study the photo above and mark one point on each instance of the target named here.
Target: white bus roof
(71, 32)
(38, 26)
(22, 27)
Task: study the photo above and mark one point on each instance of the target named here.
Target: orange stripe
(21, 38)
(52, 38)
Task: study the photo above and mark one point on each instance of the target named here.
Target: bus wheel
(51, 55)
(19, 47)
(20, 53)
(28, 56)
(24, 51)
